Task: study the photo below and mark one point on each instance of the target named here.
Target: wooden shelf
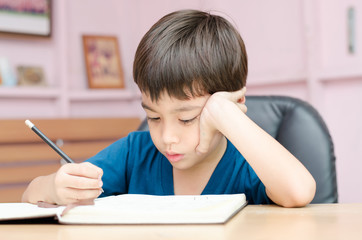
(29, 92)
(74, 95)
(102, 94)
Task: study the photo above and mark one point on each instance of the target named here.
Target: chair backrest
(300, 129)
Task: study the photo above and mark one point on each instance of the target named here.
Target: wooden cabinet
(24, 156)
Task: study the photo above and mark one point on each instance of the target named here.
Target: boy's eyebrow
(186, 108)
(181, 109)
(145, 106)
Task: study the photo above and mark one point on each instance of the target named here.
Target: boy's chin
(181, 166)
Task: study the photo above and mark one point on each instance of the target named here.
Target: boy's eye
(153, 119)
(186, 121)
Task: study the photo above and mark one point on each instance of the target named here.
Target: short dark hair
(190, 53)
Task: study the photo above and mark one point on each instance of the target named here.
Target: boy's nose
(170, 135)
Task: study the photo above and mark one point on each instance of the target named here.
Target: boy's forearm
(287, 181)
(39, 190)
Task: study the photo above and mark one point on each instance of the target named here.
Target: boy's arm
(71, 183)
(288, 183)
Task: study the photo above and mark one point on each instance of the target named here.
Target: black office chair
(301, 130)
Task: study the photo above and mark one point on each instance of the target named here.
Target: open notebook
(136, 209)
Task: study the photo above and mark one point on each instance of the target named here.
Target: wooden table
(316, 221)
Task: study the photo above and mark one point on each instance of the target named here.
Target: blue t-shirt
(134, 165)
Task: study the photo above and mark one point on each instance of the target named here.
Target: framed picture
(30, 17)
(103, 63)
(30, 76)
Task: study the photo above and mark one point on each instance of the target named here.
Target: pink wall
(295, 47)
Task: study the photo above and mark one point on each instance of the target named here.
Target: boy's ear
(242, 100)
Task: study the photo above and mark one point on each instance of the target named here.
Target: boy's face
(175, 130)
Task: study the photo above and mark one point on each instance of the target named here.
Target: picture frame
(103, 62)
(26, 17)
(30, 76)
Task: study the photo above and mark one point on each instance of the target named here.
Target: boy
(191, 68)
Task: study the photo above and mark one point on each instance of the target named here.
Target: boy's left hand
(212, 116)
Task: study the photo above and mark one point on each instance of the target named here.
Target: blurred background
(309, 49)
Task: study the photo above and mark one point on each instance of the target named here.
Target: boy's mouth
(172, 157)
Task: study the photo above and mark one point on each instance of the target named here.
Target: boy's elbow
(301, 196)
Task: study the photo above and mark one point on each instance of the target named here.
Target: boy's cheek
(196, 133)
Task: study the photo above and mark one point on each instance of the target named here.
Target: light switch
(351, 18)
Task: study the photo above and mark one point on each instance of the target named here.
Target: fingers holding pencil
(72, 182)
(77, 182)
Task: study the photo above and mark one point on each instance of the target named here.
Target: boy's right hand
(75, 182)
(220, 107)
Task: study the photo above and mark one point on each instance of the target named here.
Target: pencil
(48, 141)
